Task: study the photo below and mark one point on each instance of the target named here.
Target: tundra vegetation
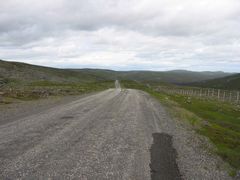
(15, 91)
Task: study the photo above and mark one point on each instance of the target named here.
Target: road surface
(114, 134)
(117, 84)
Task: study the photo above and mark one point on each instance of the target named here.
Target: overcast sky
(122, 34)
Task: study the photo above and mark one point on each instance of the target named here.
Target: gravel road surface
(117, 134)
(107, 135)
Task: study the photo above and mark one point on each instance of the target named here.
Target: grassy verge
(41, 89)
(218, 121)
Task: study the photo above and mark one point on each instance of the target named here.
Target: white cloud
(123, 34)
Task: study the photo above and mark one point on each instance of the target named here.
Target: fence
(218, 94)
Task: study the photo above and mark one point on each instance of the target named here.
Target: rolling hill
(26, 72)
(174, 77)
(230, 82)
(29, 73)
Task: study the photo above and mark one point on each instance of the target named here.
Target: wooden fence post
(224, 95)
(238, 97)
(219, 94)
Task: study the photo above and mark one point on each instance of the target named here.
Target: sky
(158, 35)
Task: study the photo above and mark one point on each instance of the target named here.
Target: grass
(218, 121)
(222, 125)
(40, 89)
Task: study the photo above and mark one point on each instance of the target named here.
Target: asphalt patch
(67, 117)
(163, 158)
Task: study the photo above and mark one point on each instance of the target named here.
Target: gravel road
(114, 134)
(103, 136)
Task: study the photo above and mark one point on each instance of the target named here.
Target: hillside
(29, 73)
(175, 77)
(230, 82)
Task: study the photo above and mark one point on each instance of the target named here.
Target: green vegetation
(20, 81)
(218, 121)
(41, 89)
(221, 124)
(28, 73)
(229, 82)
(174, 77)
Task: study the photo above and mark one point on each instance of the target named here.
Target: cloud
(123, 34)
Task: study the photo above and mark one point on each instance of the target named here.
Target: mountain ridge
(28, 72)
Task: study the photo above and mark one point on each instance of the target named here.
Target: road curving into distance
(114, 134)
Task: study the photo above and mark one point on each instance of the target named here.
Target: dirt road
(117, 134)
(114, 134)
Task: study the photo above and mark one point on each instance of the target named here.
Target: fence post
(219, 94)
(224, 95)
(237, 96)
(230, 96)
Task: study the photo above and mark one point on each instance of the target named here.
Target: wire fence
(217, 94)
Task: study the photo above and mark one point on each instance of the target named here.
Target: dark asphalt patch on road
(163, 158)
(67, 117)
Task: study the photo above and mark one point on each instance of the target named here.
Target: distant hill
(175, 77)
(29, 73)
(230, 82)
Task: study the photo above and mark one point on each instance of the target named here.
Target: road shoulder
(194, 157)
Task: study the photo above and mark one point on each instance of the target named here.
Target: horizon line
(112, 69)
